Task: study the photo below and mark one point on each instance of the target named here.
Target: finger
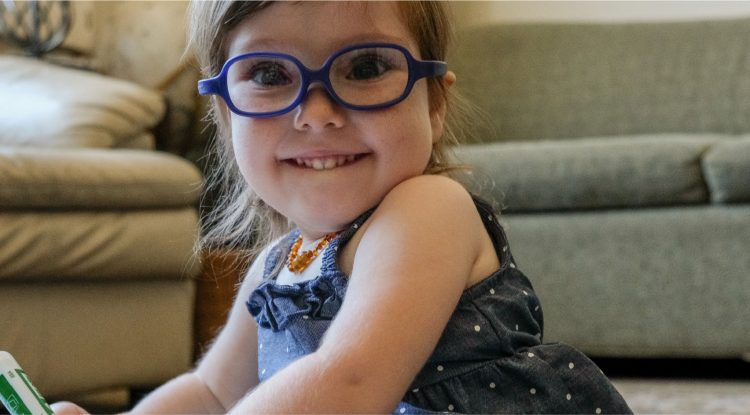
(67, 408)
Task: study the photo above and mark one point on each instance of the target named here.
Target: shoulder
(433, 214)
(430, 211)
(427, 213)
(422, 202)
(430, 190)
(428, 183)
(430, 199)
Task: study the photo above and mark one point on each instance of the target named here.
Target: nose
(318, 111)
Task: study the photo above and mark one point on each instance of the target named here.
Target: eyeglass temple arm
(426, 69)
(209, 86)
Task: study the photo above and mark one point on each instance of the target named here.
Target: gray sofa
(96, 234)
(620, 154)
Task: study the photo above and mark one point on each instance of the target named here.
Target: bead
(297, 262)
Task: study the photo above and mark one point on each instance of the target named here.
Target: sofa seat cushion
(46, 105)
(86, 179)
(727, 170)
(592, 173)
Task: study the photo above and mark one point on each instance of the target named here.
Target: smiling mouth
(324, 163)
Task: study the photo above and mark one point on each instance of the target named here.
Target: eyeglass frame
(418, 69)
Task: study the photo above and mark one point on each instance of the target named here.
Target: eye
(269, 74)
(367, 67)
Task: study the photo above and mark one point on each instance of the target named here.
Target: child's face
(372, 151)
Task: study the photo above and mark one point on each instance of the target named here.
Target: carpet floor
(677, 396)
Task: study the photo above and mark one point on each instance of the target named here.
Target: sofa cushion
(35, 178)
(662, 282)
(593, 173)
(575, 80)
(727, 170)
(107, 244)
(52, 106)
(80, 336)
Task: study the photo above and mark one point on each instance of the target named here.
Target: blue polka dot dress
(490, 358)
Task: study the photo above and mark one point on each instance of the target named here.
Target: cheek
(242, 157)
(410, 140)
(423, 111)
(244, 147)
(420, 126)
(239, 143)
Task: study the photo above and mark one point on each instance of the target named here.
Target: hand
(67, 408)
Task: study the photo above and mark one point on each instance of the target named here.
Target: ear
(437, 117)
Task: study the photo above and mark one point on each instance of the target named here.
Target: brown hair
(240, 220)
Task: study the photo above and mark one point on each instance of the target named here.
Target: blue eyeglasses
(360, 77)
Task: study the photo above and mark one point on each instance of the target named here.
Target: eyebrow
(271, 44)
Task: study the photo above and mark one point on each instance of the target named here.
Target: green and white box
(17, 393)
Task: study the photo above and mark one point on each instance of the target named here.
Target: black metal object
(36, 27)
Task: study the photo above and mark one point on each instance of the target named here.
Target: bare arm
(417, 251)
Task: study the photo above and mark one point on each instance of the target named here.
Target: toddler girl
(384, 286)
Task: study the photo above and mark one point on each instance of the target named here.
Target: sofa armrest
(727, 170)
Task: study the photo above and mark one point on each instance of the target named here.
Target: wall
(478, 12)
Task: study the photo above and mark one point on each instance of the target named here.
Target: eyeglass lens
(361, 77)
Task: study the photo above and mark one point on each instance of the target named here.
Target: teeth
(324, 163)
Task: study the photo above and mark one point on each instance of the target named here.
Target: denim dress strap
(277, 253)
(330, 266)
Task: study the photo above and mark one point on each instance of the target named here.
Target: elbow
(369, 387)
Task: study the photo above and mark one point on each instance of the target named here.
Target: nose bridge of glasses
(319, 76)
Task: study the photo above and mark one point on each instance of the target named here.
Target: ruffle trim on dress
(276, 306)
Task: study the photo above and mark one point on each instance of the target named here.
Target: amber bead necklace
(298, 261)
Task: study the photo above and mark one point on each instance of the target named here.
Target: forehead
(316, 29)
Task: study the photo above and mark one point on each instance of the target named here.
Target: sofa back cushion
(595, 173)
(570, 80)
(46, 105)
